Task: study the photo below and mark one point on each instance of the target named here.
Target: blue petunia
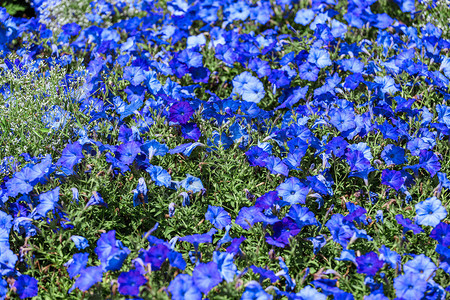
(80, 242)
(217, 216)
(430, 212)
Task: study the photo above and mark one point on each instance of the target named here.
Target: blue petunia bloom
(392, 178)
(217, 216)
(180, 113)
(422, 266)
(253, 290)
(318, 242)
(111, 252)
(77, 263)
(248, 87)
(393, 155)
(310, 293)
(130, 282)
(347, 255)
(47, 201)
(304, 16)
(408, 224)
(152, 148)
(265, 274)
(206, 276)
(96, 199)
(319, 57)
(441, 233)
(71, 156)
(88, 277)
(140, 193)
(176, 260)
(293, 191)
(159, 175)
(302, 216)
(80, 242)
(183, 287)
(26, 286)
(369, 264)
(430, 212)
(410, 286)
(192, 184)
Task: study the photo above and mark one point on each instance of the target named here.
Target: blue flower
(422, 266)
(217, 216)
(183, 287)
(206, 276)
(253, 290)
(248, 87)
(159, 175)
(430, 212)
(76, 264)
(192, 184)
(410, 286)
(292, 191)
(80, 242)
(130, 282)
(369, 264)
(26, 286)
(88, 277)
(225, 265)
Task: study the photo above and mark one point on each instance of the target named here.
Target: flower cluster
(316, 135)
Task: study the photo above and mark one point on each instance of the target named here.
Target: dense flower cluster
(334, 111)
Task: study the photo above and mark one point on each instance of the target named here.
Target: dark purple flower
(26, 286)
(408, 224)
(337, 146)
(441, 233)
(256, 156)
(155, 256)
(369, 264)
(180, 113)
(130, 282)
(392, 178)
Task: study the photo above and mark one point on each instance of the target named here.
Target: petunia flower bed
(225, 150)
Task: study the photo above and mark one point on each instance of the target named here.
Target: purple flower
(26, 286)
(441, 233)
(408, 224)
(130, 282)
(369, 264)
(392, 178)
(180, 113)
